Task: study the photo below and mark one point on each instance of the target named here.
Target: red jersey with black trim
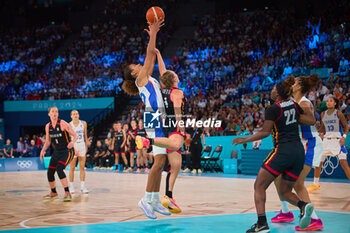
(59, 139)
(285, 114)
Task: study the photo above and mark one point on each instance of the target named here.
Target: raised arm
(46, 144)
(161, 65)
(147, 68)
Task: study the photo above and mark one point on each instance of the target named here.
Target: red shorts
(178, 151)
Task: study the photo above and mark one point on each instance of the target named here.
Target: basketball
(154, 13)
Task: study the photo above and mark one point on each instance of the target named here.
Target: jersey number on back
(290, 115)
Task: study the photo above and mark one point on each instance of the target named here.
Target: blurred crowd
(23, 54)
(91, 66)
(27, 146)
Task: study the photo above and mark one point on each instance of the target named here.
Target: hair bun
(314, 79)
(290, 80)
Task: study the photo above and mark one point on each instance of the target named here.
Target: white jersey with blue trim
(151, 96)
(307, 131)
(79, 130)
(332, 125)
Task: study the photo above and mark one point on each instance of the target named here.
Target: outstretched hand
(237, 141)
(154, 27)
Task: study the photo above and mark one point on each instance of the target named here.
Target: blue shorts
(313, 151)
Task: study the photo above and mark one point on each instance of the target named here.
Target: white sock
(148, 197)
(71, 184)
(316, 180)
(285, 208)
(82, 184)
(155, 197)
(314, 215)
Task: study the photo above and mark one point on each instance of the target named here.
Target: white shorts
(332, 148)
(158, 150)
(313, 151)
(80, 149)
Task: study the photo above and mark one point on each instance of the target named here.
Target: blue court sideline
(333, 222)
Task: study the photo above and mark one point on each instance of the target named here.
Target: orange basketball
(154, 13)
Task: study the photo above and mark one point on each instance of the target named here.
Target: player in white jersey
(313, 153)
(334, 129)
(138, 81)
(80, 127)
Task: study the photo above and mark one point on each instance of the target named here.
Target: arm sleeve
(272, 113)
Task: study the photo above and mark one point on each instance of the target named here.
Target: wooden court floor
(113, 197)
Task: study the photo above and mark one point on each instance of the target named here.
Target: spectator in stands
(110, 153)
(26, 141)
(1, 146)
(322, 90)
(343, 66)
(8, 149)
(186, 155)
(37, 141)
(32, 150)
(110, 133)
(320, 106)
(90, 152)
(326, 96)
(20, 146)
(347, 108)
(99, 155)
(256, 98)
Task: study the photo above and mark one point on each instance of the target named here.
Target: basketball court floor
(210, 203)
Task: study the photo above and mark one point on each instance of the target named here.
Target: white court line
(22, 224)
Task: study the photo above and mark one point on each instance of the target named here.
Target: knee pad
(60, 171)
(51, 174)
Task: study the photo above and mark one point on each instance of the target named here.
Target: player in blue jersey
(138, 81)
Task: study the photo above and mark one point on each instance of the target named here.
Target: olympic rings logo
(24, 163)
(328, 163)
